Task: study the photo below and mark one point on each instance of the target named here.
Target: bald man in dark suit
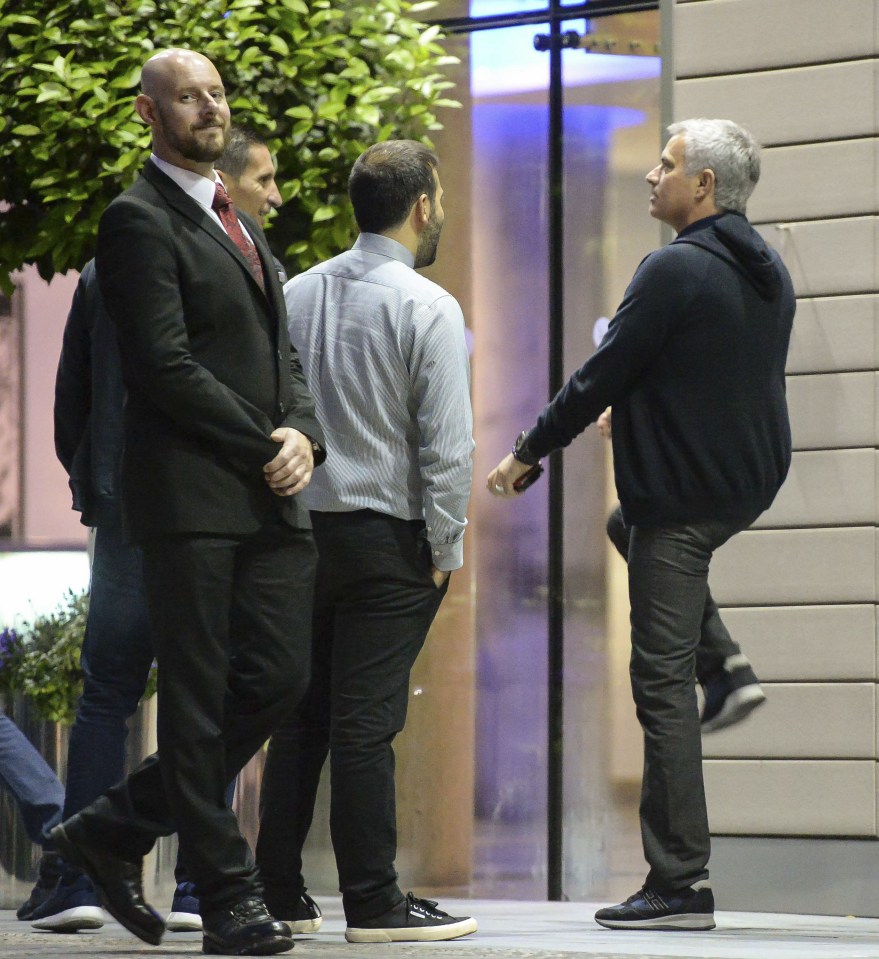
(220, 436)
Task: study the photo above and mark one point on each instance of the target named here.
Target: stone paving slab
(507, 930)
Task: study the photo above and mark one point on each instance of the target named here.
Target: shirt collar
(200, 188)
(385, 246)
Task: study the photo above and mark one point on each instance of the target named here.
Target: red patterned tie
(226, 212)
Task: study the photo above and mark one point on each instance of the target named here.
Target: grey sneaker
(731, 694)
(688, 908)
(411, 920)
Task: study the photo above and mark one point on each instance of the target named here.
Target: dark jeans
(715, 642)
(374, 603)
(668, 592)
(231, 621)
(116, 657)
(25, 773)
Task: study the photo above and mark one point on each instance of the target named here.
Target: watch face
(520, 450)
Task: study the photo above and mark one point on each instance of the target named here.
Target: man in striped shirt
(384, 353)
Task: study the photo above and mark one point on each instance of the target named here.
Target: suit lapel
(186, 206)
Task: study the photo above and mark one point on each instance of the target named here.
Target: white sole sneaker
(438, 933)
(183, 922)
(72, 920)
(692, 921)
(739, 703)
(304, 926)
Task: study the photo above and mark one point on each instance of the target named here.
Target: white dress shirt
(385, 357)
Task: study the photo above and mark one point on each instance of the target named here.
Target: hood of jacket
(731, 237)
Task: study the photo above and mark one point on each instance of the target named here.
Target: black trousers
(231, 626)
(374, 603)
(668, 592)
(715, 642)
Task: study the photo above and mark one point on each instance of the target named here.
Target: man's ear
(706, 183)
(421, 212)
(146, 108)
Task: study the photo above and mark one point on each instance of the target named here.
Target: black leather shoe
(245, 929)
(118, 882)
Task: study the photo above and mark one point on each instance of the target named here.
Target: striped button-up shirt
(384, 354)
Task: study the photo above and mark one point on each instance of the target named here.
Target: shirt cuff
(447, 556)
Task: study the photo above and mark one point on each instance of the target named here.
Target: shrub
(41, 660)
(319, 80)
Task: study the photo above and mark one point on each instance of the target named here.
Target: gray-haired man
(693, 365)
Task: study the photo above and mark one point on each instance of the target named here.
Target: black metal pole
(556, 621)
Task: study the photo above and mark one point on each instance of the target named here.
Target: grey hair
(726, 148)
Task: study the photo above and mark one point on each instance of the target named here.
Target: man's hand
(604, 424)
(501, 478)
(439, 576)
(290, 471)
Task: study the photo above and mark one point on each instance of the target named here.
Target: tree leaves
(319, 81)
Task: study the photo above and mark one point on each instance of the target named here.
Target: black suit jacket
(207, 362)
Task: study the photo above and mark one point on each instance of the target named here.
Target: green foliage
(41, 661)
(320, 80)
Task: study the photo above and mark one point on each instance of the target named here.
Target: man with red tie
(220, 436)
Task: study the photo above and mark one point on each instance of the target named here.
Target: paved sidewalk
(507, 930)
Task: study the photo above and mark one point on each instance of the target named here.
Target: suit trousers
(715, 642)
(668, 591)
(231, 625)
(374, 603)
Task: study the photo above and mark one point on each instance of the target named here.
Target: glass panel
(509, 129)
(611, 140)
(471, 762)
(493, 167)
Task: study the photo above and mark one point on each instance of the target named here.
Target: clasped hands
(290, 471)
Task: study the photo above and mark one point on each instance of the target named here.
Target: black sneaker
(73, 905)
(730, 695)
(301, 913)
(185, 914)
(50, 869)
(411, 920)
(688, 908)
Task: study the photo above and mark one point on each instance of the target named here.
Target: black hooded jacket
(693, 366)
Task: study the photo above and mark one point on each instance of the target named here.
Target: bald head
(162, 68)
(183, 101)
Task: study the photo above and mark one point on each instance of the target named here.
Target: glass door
(547, 166)
(611, 138)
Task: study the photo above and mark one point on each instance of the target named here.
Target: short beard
(189, 147)
(425, 253)
(204, 154)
